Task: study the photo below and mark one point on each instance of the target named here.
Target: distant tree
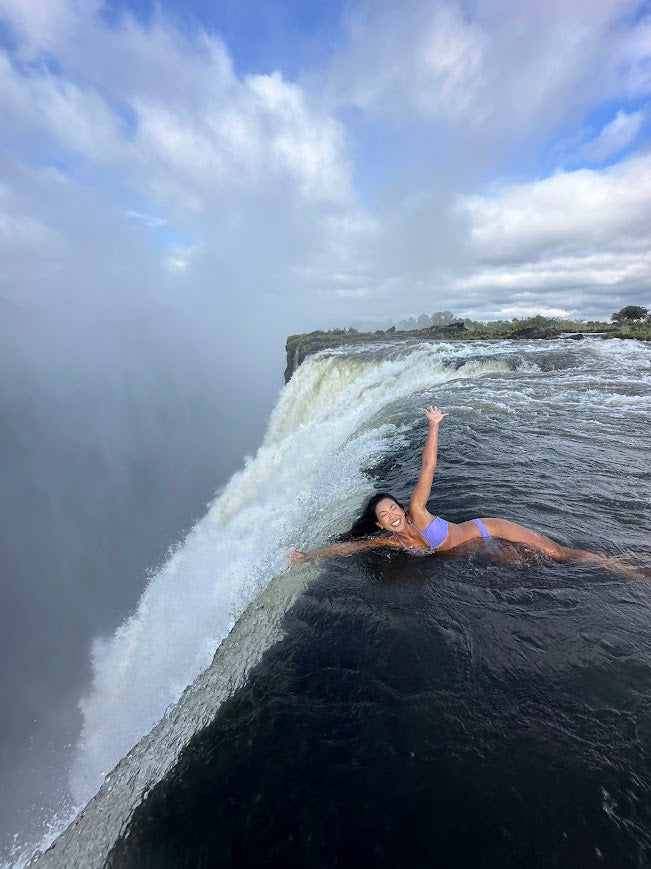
(391, 329)
(630, 314)
(423, 321)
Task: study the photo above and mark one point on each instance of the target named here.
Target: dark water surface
(430, 713)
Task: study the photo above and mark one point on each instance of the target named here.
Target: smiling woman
(418, 531)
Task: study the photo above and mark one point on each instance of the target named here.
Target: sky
(312, 164)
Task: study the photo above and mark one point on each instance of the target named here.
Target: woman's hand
(297, 557)
(434, 415)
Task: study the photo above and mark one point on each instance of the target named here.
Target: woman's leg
(505, 530)
(511, 531)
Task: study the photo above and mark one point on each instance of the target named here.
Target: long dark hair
(367, 522)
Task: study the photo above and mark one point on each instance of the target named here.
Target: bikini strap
(398, 538)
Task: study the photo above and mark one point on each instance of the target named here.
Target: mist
(129, 394)
(120, 422)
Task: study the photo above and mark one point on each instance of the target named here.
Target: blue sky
(287, 35)
(329, 163)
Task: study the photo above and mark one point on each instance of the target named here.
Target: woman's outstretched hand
(296, 556)
(433, 414)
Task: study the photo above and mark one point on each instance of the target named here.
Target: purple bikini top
(436, 532)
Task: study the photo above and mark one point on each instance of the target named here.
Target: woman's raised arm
(424, 485)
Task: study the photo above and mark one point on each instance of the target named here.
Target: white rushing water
(304, 484)
(294, 492)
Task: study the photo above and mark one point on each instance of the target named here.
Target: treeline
(633, 319)
(630, 322)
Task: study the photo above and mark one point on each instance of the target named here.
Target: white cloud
(576, 241)
(43, 25)
(500, 71)
(617, 135)
(420, 59)
(564, 273)
(568, 211)
(76, 119)
(265, 130)
(172, 111)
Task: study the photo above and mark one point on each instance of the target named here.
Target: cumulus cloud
(577, 236)
(565, 274)
(265, 130)
(565, 212)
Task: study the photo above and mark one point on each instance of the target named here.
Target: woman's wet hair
(367, 522)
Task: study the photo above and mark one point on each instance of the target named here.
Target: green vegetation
(633, 321)
(631, 314)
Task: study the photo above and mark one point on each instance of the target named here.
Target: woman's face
(390, 515)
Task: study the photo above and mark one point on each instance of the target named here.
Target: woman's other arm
(430, 454)
(339, 549)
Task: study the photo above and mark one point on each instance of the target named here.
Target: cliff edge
(299, 347)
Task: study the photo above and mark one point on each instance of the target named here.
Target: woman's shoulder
(420, 517)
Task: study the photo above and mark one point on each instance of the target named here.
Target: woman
(417, 530)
